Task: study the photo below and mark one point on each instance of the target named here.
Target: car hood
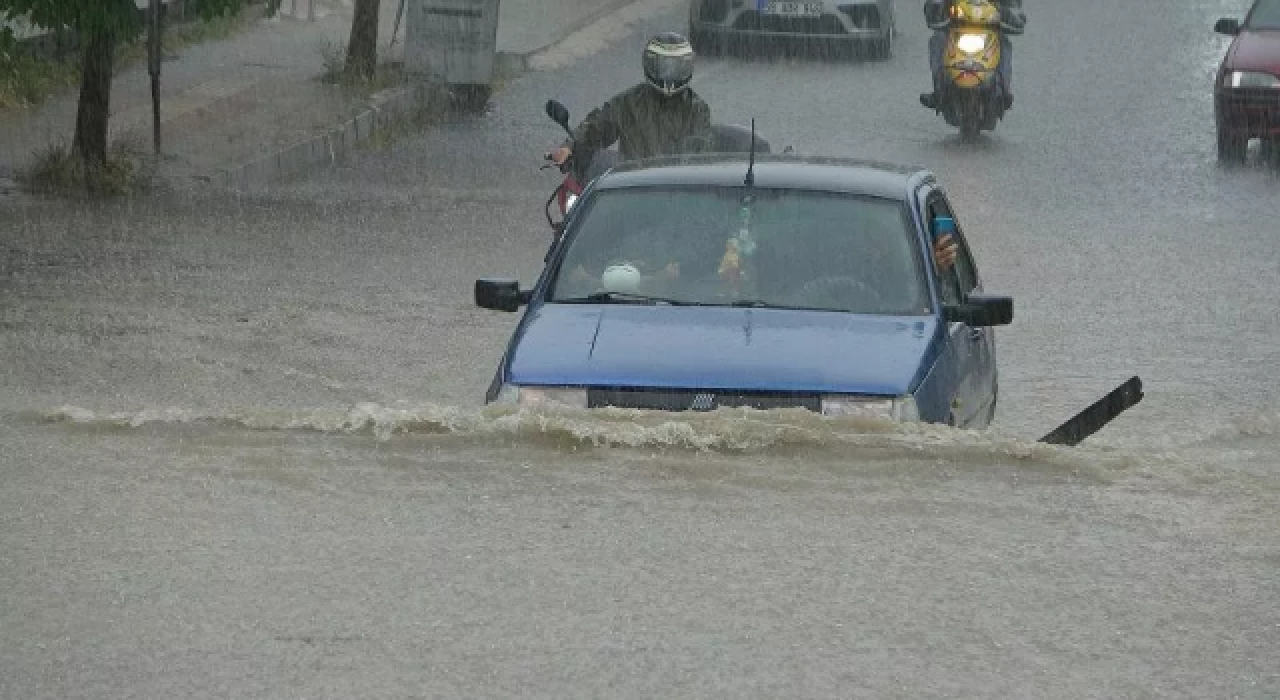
(720, 348)
(1256, 50)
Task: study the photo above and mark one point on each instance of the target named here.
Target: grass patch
(27, 78)
(55, 170)
(333, 57)
(387, 134)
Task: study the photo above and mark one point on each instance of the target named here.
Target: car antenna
(750, 179)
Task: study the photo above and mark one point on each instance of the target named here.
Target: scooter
(581, 169)
(972, 94)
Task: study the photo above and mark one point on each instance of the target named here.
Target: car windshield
(1265, 15)
(804, 249)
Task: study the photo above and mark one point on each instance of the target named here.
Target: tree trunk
(362, 49)
(95, 99)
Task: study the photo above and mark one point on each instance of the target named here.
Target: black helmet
(668, 62)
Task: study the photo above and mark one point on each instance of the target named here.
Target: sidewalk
(256, 98)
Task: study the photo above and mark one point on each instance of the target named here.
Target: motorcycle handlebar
(550, 162)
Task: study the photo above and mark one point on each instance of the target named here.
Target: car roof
(786, 171)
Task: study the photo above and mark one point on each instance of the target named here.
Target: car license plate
(793, 9)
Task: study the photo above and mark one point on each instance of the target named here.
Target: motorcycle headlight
(569, 201)
(972, 43)
(571, 397)
(1251, 79)
(902, 408)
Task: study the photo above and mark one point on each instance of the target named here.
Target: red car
(1246, 93)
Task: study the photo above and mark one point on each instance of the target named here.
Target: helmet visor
(668, 69)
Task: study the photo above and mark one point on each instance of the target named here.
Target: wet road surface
(244, 452)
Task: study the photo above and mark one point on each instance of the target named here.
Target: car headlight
(972, 43)
(902, 408)
(569, 201)
(572, 397)
(1251, 79)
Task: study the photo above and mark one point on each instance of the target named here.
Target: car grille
(1254, 109)
(700, 399)
(756, 22)
(862, 16)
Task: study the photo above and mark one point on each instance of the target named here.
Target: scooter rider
(651, 118)
(937, 15)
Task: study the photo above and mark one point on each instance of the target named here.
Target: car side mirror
(981, 310)
(500, 295)
(1227, 25)
(558, 113)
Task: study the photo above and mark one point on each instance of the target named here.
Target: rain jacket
(644, 123)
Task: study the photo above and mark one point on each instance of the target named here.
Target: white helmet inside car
(623, 278)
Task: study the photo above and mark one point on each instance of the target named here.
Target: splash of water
(731, 431)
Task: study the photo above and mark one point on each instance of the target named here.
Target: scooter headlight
(972, 43)
(569, 201)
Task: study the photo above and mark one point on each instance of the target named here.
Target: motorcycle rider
(653, 117)
(937, 14)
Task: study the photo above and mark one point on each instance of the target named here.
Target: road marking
(599, 35)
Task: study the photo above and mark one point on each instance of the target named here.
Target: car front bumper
(1248, 112)
(839, 20)
(896, 408)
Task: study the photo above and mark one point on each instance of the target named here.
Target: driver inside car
(841, 263)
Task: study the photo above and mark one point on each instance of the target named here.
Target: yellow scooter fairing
(975, 12)
(972, 56)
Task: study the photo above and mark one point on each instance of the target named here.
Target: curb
(384, 110)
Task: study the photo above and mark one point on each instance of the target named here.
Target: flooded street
(245, 452)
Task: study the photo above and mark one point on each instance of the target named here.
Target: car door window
(949, 280)
(966, 273)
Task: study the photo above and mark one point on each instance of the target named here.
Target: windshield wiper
(761, 304)
(625, 298)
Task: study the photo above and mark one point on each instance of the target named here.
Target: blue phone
(943, 225)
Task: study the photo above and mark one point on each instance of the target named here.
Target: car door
(982, 352)
(962, 339)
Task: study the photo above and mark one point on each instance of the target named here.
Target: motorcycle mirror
(558, 113)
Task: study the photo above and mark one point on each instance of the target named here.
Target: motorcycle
(972, 94)
(581, 169)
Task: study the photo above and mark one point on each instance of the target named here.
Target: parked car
(1246, 92)
(679, 285)
(860, 23)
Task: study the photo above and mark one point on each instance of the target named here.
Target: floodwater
(245, 452)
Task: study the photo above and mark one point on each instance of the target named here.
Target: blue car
(711, 281)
